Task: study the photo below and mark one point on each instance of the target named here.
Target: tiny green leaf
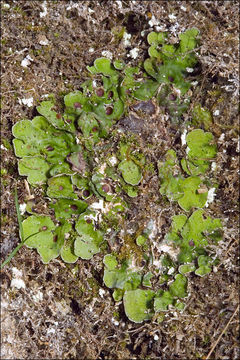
(61, 187)
(130, 172)
(138, 304)
(161, 302)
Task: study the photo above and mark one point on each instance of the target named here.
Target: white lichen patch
(119, 4)
(38, 296)
(134, 53)
(101, 206)
(183, 8)
(51, 330)
(126, 38)
(26, 101)
(115, 322)
(172, 17)
(153, 21)
(210, 197)
(171, 271)
(221, 138)
(22, 208)
(102, 169)
(6, 6)
(101, 292)
(107, 54)
(183, 137)
(26, 61)
(113, 160)
(42, 40)
(3, 147)
(165, 248)
(213, 166)
(44, 12)
(17, 282)
(216, 112)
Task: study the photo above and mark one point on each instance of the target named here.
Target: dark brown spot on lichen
(49, 148)
(86, 193)
(60, 187)
(89, 221)
(95, 129)
(55, 238)
(172, 97)
(74, 207)
(58, 116)
(191, 243)
(106, 188)
(100, 92)
(110, 94)
(109, 110)
(170, 78)
(68, 121)
(77, 105)
(44, 228)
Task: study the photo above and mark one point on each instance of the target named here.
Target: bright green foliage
(202, 117)
(141, 240)
(175, 187)
(118, 294)
(191, 198)
(102, 187)
(186, 268)
(77, 156)
(130, 172)
(161, 302)
(179, 305)
(66, 208)
(147, 279)
(194, 234)
(65, 242)
(146, 90)
(123, 277)
(200, 151)
(179, 287)
(63, 122)
(173, 103)
(138, 304)
(167, 63)
(204, 263)
(41, 147)
(170, 183)
(61, 187)
(35, 168)
(43, 241)
(104, 66)
(110, 261)
(89, 240)
(67, 253)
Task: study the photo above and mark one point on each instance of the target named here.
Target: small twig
(19, 218)
(220, 336)
(29, 195)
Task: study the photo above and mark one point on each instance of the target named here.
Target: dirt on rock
(64, 311)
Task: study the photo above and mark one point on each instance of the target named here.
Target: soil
(58, 311)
